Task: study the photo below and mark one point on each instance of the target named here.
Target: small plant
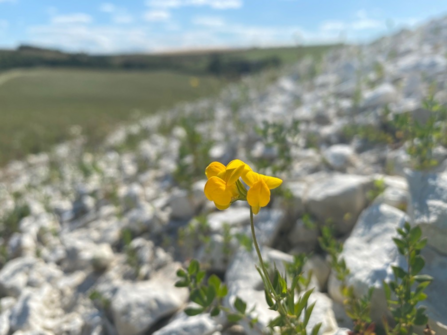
(406, 291)
(209, 296)
(195, 233)
(280, 136)
(357, 309)
(289, 301)
(378, 188)
(131, 253)
(193, 154)
(98, 299)
(423, 137)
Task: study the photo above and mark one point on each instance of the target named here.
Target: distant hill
(218, 62)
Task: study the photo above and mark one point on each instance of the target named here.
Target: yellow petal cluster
(222, 188)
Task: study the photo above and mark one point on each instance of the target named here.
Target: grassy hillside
(39, 105)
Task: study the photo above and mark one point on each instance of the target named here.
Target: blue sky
(103, 26)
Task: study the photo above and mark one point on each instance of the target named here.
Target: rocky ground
(91, 241)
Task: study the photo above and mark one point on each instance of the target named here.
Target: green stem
(270, 289)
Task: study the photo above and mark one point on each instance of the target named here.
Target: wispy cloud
(156, 15)
(216, 4)
(107, 7)
(209, 21)
(118, 15)
(71, 18)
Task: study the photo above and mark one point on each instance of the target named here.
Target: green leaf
(223, 291)
(193, 311)
(234, 318)
(214, 281)
(181, 273)
(278, 322)
(210, 295)
(399, 272)
(182, 283)
(308, 313)
(240, 305)
(268, 298)
(401, 245)
(423, 278)
(199, 277)
(306, 296)
(197, 296)
(193, 267)
(421, 244)
(420, 318)
(415, 235)
(417, 265)
(215, 311)
(387, 290)
(316, 329)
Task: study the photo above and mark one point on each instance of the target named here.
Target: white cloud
(107, 7)
(118, 15)
(208, 21)
(332, 25)
(156, 15)
(216, 4)
(71, 19)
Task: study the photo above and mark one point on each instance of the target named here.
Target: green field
(39, 105)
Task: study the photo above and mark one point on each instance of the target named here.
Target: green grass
(38, 107)
(287, 55)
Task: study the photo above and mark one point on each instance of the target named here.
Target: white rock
(339, 199)
(323, 313)
(339, 156)
(138, 306)
(303, 239)
(21, 245)
(102, 257)
(182, 204)
(197, 325)
(380, 96)
(233, 216)
(29, 271)
(295, 205)
(369, 253)
(131, 196)
(36, 310)
(428, 206)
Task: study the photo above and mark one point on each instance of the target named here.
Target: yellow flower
(260, 185)
(221, 185)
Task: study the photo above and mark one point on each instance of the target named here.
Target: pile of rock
(91, 243)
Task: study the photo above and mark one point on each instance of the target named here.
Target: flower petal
(258, 195)
(230, 176)
(214, 169)
(255, 210)
(272, 182)
(216, 190)
(250, 178)
(221, 207)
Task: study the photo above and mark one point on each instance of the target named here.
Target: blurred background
(92, 64)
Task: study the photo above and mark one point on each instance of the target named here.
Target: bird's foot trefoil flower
(225, 187)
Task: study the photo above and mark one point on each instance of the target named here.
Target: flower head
(224, 187)
(221, 185)
(260, 185)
